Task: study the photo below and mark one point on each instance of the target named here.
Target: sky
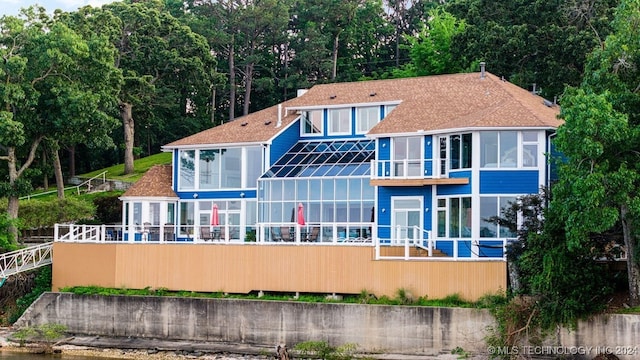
(12, 7)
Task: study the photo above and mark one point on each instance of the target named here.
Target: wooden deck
(285, 268)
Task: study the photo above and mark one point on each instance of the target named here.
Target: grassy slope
(116, 172)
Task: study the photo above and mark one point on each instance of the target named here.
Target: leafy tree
(167, 68)
(430, 51)
(600, 139)
(41, 92)
(527, 42)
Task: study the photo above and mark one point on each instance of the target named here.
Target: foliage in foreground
(322, 350)
(42, 284)
(42, 336)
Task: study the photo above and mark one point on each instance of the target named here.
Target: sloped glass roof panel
(339, 158)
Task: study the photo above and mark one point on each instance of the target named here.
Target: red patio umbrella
(214, 215)
(300, 214)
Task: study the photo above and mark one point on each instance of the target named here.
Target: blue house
(416, 162)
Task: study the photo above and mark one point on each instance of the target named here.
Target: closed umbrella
(214, 215)
(301, 215)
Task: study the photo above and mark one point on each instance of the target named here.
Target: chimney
(482, 65)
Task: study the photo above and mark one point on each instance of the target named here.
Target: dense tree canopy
(600, 139)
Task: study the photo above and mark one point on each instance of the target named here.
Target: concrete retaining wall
(394, 329)
(374, 328)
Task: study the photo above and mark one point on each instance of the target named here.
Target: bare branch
(32, 155)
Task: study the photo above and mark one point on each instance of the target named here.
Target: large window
(187, 169)
(340, 121)
(366, 118)
(312, 122)
(508, 149)
(230, 168)
(460, 146)
(407, 156)
(454, 217)
(493, 207)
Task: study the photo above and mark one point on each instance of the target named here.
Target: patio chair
(313, 235)
(285, 233)
(275, 234)
(169, 233)
(205, 233)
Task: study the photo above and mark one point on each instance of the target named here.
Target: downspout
(549, 163)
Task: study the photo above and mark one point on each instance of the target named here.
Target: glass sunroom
(319, 191)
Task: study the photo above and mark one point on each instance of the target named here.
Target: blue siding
(490, 248)
(217, 194)
(428, 155)
(464, 248)
(509, 182)
(283, 142)
(384, 202)
(384, 149)
(446, 246)
(456, 189)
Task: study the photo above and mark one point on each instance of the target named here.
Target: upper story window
(460, 146)
(388, 109)
(407, 156)
(508, 149)
(187, 168)
(312, 122)
(366, 118)
(340, 121)
(212, 169)
(454, 152)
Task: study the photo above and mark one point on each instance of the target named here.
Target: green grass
(453, 300)
(140, 166)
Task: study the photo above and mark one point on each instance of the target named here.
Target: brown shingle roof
(431, 103)
(156, 182)
(435, 103)
(259, 126)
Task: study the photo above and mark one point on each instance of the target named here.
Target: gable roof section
(156, 182)
(437, 103)
(260, 126)
(430, 103)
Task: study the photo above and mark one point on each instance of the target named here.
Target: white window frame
(334, 121)
(312, 116)
(366, 118)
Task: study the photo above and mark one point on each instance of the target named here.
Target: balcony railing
(402, 169)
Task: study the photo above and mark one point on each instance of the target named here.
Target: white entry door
(406, 219)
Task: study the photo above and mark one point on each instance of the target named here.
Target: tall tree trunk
(72, 160)
(335, 57)
(57, 169)
(633, 266)
(247, 89)
(13, 204)
(128, 123)
(45, 178)
(14, 201)
(232, 80)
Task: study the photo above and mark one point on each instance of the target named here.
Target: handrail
(102, 175)
(26, 259)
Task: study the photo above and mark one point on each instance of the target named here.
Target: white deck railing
(29, 258)
(392, 243)
(402, 169)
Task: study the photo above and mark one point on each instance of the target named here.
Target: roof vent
(244, 124)
(332, 97)
(482, 70)
(373, 94)
(267, 122)
(548, 103)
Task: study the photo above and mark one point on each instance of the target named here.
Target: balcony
(409, 173)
